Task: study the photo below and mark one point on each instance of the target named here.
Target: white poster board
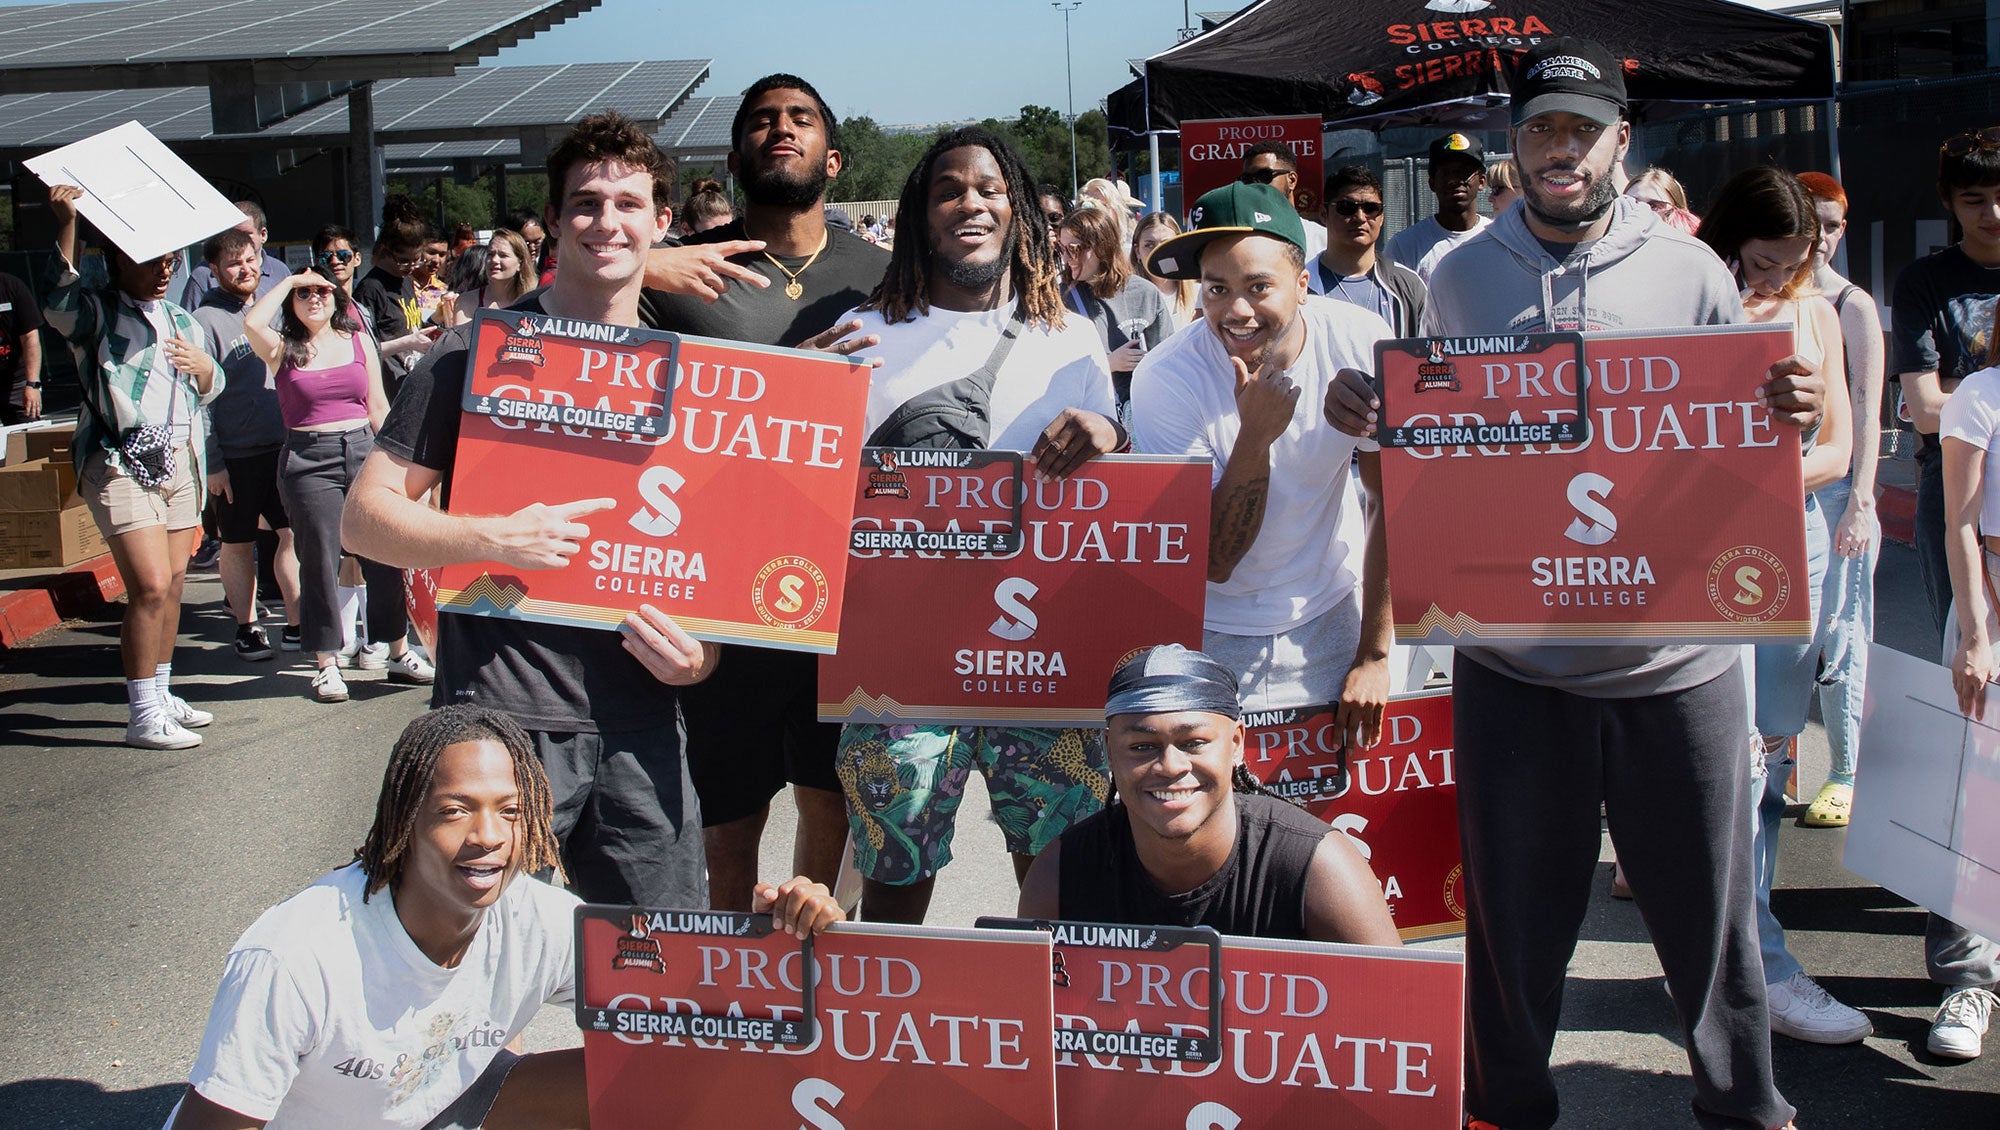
(138, 193)
(1926, 820)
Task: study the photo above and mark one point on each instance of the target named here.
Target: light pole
(1070, 79)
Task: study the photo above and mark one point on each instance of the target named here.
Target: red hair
(1823, 187)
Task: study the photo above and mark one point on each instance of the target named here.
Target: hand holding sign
(1351, 403)
(665, 649)
(1072, 439)
(843, 340)
(1264, 402)
(1363, 699)
(544, 537)
(798, 906)
(1971, 671)
(62, 202)
(1795, 394)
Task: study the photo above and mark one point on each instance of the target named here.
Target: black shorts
(754, 725)
(253, 480)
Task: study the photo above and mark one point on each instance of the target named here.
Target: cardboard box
(27, 444)
(39, 485)
(48, 539)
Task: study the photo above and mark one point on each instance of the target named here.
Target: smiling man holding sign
(605, 728)
(1651, 728)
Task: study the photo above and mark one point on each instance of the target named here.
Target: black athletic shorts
(754, 725)
(253, 480)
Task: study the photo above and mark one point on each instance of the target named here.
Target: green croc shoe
(1830, 808)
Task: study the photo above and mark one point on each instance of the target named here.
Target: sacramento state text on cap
(1234, 209)
(1569, 75)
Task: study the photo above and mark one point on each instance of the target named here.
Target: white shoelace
(1967, 1008)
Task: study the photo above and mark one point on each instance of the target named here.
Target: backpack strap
(975, 390)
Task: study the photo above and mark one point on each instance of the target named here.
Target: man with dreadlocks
(969, 321)
(1191, 838)
(383, 994)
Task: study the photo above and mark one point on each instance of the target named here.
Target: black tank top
(1259, 893)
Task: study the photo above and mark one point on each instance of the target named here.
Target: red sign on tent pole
(1212, 155)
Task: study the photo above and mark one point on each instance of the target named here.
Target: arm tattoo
(1242, 516)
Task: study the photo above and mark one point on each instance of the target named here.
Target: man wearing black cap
(1458, 172)
(1288, 565)
(1655, 734)
(1191, 839)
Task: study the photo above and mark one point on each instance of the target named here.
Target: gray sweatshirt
(1641, 275)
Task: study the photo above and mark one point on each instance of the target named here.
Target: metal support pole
(1070, 80)
(364, 164)
(1157, 194)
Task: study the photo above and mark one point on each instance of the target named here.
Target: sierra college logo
(1367, 89)
(888, 481)
(638, 949)
(1435, 372)
(523, 343)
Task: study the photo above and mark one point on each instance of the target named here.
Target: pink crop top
(311, 397)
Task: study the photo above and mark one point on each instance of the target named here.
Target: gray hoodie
(1641, 275)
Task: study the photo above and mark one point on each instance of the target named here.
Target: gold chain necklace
(793, 288)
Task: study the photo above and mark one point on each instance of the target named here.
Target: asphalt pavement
(125, 875)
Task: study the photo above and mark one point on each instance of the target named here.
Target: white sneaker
(328, 686)
(158, 731)
(346, 655)
(178, 709)
(410, 667)
(1960, 1026)
(374, 657)
(1803, 1010)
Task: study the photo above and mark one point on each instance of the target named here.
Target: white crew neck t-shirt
(1972, 414)
(1424, 244)
(330, 1017)
(1306, 557)
(1046, 372)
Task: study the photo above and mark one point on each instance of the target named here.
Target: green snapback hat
(1234, 209)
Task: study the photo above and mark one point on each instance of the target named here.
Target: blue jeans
(1784, 691)
(1846, 628)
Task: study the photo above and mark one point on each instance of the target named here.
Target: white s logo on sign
(806, 1100)
(657, 486)
(1213, 1116)
(1017, 620)
(1351, 825)
(1586, 494)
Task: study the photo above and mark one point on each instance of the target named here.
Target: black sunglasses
(1264, 176)
(335, 256)
(1987, 139)
(1369, 208)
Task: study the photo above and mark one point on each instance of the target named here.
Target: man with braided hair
(1191, 838)
(972, 289)
(384, 993)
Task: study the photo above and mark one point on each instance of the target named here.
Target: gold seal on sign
(1452, 882)
(1748, 584)
(790, 592)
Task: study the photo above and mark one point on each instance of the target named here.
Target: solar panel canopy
(697, 130)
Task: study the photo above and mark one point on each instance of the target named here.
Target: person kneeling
(1191, 839)
(384, 993)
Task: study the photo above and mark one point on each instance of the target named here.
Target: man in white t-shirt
(383, 994)
(1274, 163)
(1457, 173)
(1288, 564)
(972, 287)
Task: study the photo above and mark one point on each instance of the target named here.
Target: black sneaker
(206, 553)
(252, 643)
(289, 640)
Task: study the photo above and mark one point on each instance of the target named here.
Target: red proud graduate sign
(1677, 518)
(1311, 1034)
(1397, 802)
(977, 595)
(732, 467)
(1212, 154)
(702, 1020)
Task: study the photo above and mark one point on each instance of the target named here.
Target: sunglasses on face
(1264, 176)
(318, 293)
(335, 257)
(1987, 139)
(1368, 208)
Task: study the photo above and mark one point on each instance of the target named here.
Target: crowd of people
(638, 766)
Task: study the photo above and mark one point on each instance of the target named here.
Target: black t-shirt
(550, 677)
(1259, 893)
(1944, 315)
(838, 281)
(382, 295)
(20, 316)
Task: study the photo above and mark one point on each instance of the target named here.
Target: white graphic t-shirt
(329, 1016)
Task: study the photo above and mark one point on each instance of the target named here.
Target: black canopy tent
(1373, 64)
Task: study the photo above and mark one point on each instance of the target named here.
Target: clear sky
(897, 61)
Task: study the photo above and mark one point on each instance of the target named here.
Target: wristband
(34, 384)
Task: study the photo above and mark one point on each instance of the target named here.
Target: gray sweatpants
(1534, 764)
